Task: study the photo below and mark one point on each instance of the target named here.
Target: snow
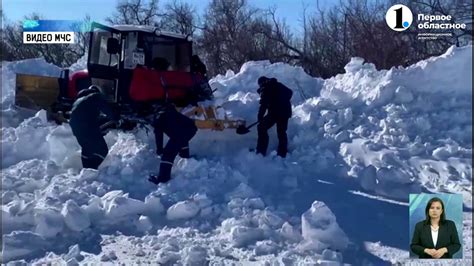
(182, 210)
(359, 143)
(148, 29)
(81, 64)
(75, 217)
(319, 224)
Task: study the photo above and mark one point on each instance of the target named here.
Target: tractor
(139, 68)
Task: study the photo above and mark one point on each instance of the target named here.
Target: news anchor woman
(435, 237)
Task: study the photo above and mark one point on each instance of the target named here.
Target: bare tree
(5, 50)
(225, 34)
(176, 16)
(180, 17)
(369, 36)
(234, 33)
(459, 10)
(58, 54)
(136, 12)
(278, 32)
(358, 28)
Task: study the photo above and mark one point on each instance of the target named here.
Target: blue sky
(99, 9)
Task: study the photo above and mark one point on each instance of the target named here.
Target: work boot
(165, 173)
(184, 152)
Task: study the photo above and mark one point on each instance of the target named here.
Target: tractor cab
(141, 64)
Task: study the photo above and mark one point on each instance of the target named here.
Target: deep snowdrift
(360, 142)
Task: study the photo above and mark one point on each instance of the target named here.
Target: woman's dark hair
(427, 210)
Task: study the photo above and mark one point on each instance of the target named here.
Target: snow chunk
(117, 205)
(19, 244)
(290, 233)
(144, 223)
(242, 191)
(403, 95)
(182, 210)
(63, 148)
(265, 247)
(124, 206)
(88, 174)
(75, 218)
(40, 118)
(72, 262)
(73, 255)
(319, 223)
(355, 65)
(270, 219)
(195, 255)
(392, 175)
(167, 255)
(153, 205)
(332, 255)
(241, 236)
(368, 178)
(49, 222)
(109, 256)
(9, 196)
(443, 153)
(254, 203)
(202, 200)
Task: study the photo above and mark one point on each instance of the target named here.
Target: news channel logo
(399, 17)
(52, 31)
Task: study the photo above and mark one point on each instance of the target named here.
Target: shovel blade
(241, 130)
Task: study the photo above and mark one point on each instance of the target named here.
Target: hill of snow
(360, 143)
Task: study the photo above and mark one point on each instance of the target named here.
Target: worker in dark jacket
(161, 64)
(275, 108)
(201, 90)
(197, 66)
(180, 129)
(91, 118)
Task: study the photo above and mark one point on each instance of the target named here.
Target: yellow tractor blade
(36, 92)
(206, 118)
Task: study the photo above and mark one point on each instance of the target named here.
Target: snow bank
(395, 128)
(27, 141)
(238, 92)
(81, 64)
(450, 73)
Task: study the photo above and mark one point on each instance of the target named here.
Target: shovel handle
(253, 124)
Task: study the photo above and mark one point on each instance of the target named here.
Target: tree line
(232, 32)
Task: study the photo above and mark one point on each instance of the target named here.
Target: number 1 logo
(399, 17)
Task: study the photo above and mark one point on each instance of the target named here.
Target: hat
(262, 80)
(90, 90)
(95, 89)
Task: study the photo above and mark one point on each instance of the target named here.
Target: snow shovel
(241, 130)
